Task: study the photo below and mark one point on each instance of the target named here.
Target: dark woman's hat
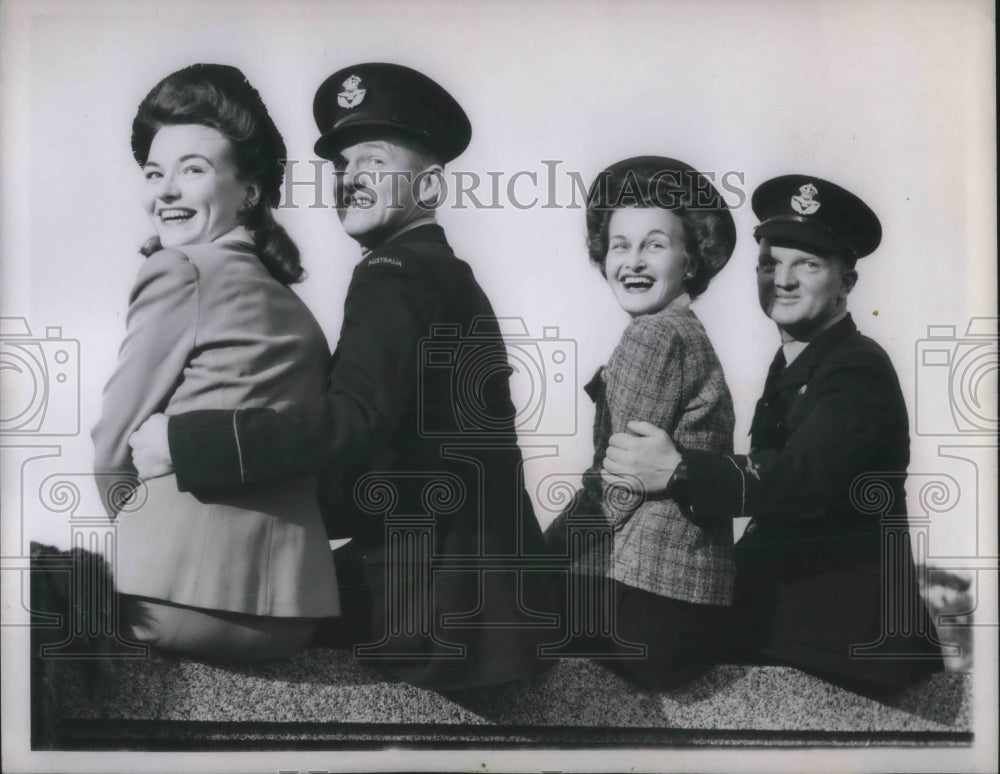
(366, 101)
(658, 181)
(815, 213)
(655, 181)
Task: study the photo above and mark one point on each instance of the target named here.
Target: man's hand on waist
(150, 448)
(645, 453)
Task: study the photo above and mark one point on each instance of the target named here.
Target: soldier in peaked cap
(822, 583)
(386, 421)
(388, 100)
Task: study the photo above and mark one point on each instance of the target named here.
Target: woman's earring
(245, 208)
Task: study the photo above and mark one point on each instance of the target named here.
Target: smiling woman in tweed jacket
(659, 231)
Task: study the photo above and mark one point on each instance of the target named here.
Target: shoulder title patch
(384, 259)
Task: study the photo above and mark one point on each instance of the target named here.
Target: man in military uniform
(393, 438)
(830, 426)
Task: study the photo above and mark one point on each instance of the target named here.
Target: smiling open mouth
(637, 284)
(174, 215)
(360, 201)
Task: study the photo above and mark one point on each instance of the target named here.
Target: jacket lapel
(801, 369)
(773, 404)
(595, 387)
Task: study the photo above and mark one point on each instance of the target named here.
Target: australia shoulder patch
(383, 260)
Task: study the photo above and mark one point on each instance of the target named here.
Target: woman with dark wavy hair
(658, 231)
(212, 323)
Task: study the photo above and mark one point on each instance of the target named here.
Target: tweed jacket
(208, 327)
(402, 410)
(832, 420)
(665, 371)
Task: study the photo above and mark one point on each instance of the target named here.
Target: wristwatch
(678, 483)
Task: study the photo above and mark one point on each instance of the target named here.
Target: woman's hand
(150, 448)
(645, 453)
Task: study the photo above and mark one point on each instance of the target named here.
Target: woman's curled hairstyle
(655, 181)
(219, 96)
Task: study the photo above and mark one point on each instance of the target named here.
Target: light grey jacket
(209, 328)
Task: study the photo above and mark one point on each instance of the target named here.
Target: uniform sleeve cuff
(715, 486)
(204, 450)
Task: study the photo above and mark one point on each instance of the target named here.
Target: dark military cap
(658, 181)
(361, 102)
(815, 213)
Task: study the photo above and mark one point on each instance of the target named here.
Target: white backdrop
(892, 99)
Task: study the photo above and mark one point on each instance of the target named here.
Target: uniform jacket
(418, 394)
(811, 559)
(664, 371)
(208, 327)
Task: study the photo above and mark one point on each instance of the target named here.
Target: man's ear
(847, 281)
(429, 186)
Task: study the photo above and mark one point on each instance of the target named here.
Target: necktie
(777, 366)
(765, 418)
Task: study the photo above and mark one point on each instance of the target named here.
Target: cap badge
(804, 203)
(352, 95)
